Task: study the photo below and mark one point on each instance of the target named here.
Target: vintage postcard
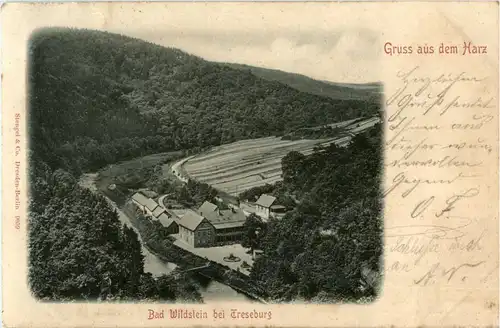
(250, 164)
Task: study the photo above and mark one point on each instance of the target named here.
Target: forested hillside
(99, 97)
(323, 250)
(369, 92)
(78, 249)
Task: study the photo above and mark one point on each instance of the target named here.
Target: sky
(347, 55)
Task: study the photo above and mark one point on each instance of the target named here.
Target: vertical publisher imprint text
(17, 169)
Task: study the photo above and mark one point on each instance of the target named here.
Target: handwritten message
(438, 138)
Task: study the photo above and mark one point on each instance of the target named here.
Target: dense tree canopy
(79, 250)
(78, 247)
(254, 232)
(98, 98)
(320, 249)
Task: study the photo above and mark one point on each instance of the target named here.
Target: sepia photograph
(243, 164)
(200, 166)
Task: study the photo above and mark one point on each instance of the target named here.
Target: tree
(325, 246)
(183, 196)
(134, 260)
(254, 231)
(292, 166)
(133, 98)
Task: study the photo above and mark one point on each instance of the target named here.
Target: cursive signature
(438, 271)
(450, 202)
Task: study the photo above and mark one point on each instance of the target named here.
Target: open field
(239, 166)
(130, 175)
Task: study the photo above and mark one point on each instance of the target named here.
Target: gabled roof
(159, 210)
(191, 220)
(140, 198)
(165, 220)
(176, 213)
(206, 208)
(266, 200)
(171, 213)
(151, 204)
(228, 225)
(148, 193)
(226, 199)
(230, 218)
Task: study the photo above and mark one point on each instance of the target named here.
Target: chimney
(233, 210)
(218, 210)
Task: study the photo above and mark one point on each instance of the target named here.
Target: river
(210, 290)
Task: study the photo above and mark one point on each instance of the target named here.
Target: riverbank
(152, 263)
(215, 278)
(165, 248)
(157, 264)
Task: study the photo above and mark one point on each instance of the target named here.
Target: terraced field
(236, 167)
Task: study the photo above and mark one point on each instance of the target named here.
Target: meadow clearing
(239, 166)
(131, 175)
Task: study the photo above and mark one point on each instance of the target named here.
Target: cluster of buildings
(210, 225)
(151, 208)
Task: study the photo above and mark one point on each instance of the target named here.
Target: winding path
(178, 171)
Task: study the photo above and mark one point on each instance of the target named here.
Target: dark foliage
(318, 251)
(255, 232)
(369, 92)
(78, 248)
(97, 98)
(254, 193)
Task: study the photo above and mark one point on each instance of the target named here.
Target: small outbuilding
(169, 223)
(263, 205)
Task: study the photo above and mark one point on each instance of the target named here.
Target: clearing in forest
(239, 166)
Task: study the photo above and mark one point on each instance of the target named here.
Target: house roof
(140, 198)
(191, 220)
(148, 193)
(266, 200)
(230, 218)
(165, 220)
(171, 213)
(159, 210)
(151, 204)
(206, 208)
(177, 213)
(228, 225)
(227, 199)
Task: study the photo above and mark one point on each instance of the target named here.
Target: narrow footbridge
(206, 265)
(198, 268)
